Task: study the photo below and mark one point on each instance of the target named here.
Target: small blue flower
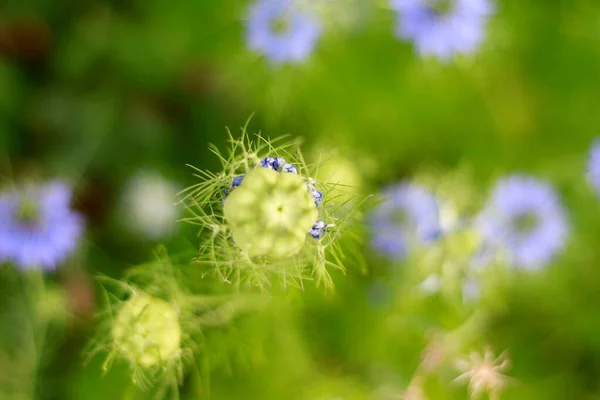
(525, 219)
(408, 217)
(269, 162)
(443, 28)
(318, 229)
(316, 193)
(278, 164)
(289, 168)
(236, 181)
(38, 229)
(282, 31)
(594, 166)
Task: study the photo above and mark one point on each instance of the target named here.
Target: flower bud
(270, 213)
(343, 177)
(146, 331)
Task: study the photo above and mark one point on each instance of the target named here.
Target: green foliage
(95, 91)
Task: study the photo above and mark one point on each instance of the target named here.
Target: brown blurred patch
(81, 298)
(26, 39)
(198, 78)
(95, 200)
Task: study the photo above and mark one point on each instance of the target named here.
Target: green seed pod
(343, 178)
(270, 214)
(146, 331)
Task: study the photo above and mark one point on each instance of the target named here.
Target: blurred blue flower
(594, 166)
(38, 229)
(443, 28)
(409, 216)
(471, 290)
(486, 254)
(525, 219)
(282, 31)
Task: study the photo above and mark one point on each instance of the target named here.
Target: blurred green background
(96, 91)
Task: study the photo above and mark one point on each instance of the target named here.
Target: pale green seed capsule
(342, 177)
(146, 331)
(270, 213)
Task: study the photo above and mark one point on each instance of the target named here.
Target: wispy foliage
(156, 325)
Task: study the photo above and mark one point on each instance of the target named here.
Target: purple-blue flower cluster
(408, 217)
(524, 218)
(286, 31)
(279, 164)
(315, 193)
(443, 28)
(38, 228)
(523, 221)
(318, 229)
(282, 31)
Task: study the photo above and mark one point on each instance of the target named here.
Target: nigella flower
(279, 164)
(408, 217)
(38, 229)
(484, 373)
(282, 31)
(270, 214)
(594, 166)
(443, 28)
(273, 222)
(146, 331)
(525, 219)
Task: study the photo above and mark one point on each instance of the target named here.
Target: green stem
(130, 392)
(33, 289)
